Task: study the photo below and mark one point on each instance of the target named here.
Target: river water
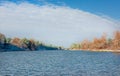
(59, 63)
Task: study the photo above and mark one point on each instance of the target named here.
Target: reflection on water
(59, 63)
(118, 53)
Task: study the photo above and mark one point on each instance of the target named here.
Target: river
(59, 63)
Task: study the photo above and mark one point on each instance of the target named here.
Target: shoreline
(97, 50)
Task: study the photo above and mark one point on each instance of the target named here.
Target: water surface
(59, 63)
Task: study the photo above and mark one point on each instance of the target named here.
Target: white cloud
(53, 24)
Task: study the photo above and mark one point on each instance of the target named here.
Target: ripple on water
(59, 63)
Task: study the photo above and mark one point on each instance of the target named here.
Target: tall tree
(2, 40)
(116, 40)
(16, 41)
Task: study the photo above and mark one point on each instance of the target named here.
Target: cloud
(58, 25)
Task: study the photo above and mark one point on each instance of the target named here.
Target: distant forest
(24, 44)
(99, 43)
(17, 44)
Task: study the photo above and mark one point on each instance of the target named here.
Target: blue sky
(109, 8)
(59, 22)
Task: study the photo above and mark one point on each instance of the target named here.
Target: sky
(59, 22)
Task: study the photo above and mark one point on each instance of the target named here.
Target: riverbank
(97, 50)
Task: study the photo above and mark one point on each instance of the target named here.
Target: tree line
(23, 44)
(102, 43)
(99, 43)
